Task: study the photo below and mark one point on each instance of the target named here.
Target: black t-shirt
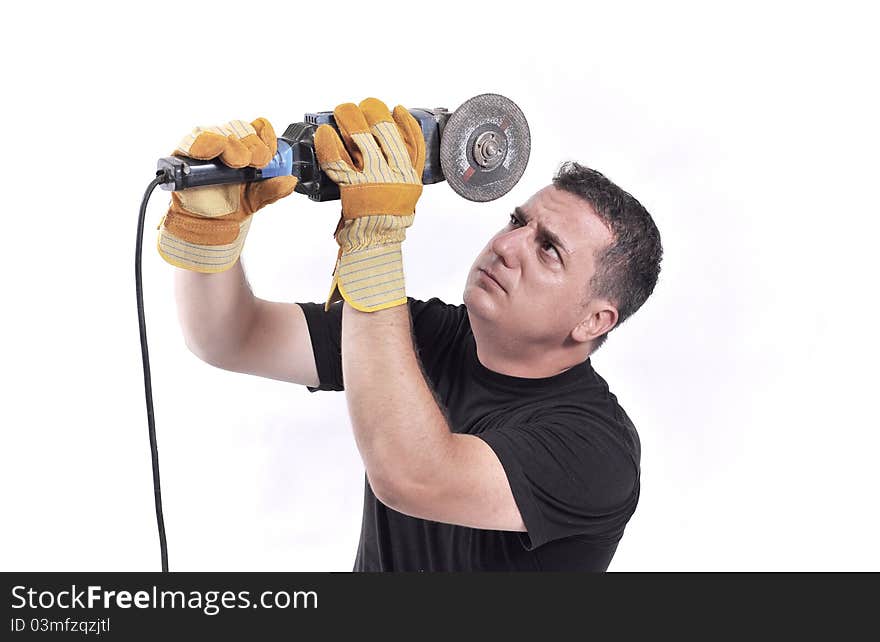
(570, 452)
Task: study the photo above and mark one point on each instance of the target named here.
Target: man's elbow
(208, 353)
(399, 491)
(409, 482)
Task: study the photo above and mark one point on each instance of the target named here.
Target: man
(488, 440)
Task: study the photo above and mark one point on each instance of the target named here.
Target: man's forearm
(215, 310)
(400, 431)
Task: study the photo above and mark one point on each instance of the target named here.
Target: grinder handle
(182, 172)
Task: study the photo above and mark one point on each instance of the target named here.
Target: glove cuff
(370, 279)
(196, 255)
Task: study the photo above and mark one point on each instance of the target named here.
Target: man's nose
(510, 245)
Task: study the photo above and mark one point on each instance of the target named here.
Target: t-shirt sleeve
(568, 479)
(325, 332)
(431, 319)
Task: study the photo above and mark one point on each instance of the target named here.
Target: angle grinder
(481, 150)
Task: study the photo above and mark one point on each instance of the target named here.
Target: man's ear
(601, 317)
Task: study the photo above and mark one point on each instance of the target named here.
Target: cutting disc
(484, 147)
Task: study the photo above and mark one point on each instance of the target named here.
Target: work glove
(205, 227)
(378, 168)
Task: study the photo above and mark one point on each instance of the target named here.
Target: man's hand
(378, 168)
(205, 227)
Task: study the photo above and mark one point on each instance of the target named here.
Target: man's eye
(514, 220)
(551, 249)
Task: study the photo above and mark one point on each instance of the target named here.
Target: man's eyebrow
(543, 232)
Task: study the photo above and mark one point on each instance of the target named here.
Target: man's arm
(225, 325)
(414, 463)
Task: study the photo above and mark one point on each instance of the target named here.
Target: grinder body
(296, 157)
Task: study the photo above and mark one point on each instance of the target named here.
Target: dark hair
(626, 270)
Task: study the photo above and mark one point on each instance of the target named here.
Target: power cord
(161, 177)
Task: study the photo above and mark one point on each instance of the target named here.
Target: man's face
(542, 262)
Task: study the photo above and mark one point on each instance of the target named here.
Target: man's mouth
(492, 278)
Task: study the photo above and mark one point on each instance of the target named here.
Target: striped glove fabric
(379, 172)
(205, 227)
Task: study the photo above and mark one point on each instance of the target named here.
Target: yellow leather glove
(205, 227)
(379, 172)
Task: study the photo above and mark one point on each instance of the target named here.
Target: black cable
(148, 388)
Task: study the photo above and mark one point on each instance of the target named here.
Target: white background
(750, 133)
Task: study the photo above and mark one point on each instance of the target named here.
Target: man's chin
(480, 301)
